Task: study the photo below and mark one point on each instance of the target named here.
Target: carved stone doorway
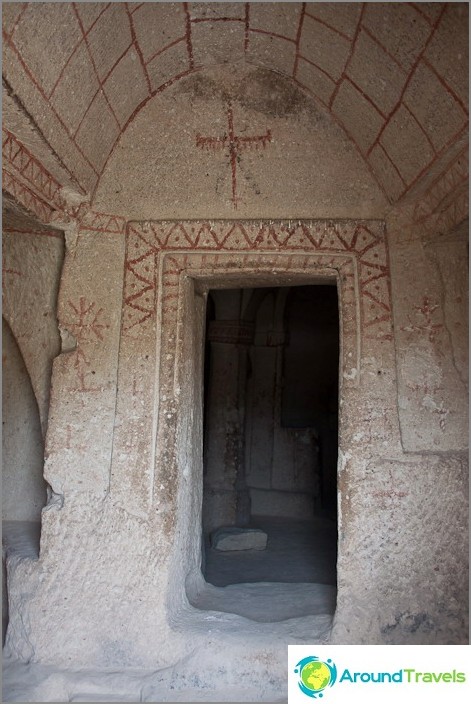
(170, 268)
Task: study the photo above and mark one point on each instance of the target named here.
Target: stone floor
(285, 588)
(294, 576)
(297, 551)
(34, 683)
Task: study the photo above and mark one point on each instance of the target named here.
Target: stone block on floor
(239, 539)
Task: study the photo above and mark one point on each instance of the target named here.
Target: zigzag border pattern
(103, 222)
(26, 197)
(43, 198)
(364, 239)
(20, 158)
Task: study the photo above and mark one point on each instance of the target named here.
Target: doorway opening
(271, 388)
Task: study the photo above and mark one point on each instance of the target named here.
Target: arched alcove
(33, 257)
(182, 133)
(23, 487)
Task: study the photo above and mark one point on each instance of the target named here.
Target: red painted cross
(427, 309)
(234, 144)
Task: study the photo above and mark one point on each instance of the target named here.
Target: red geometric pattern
(325, 74)
(363, 240)
(43, 198)
(446, 202)
(20, 158)
(102, 222)
(26, 197)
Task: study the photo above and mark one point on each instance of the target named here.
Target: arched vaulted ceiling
(394, 75)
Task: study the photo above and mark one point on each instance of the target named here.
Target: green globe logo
(315, 675)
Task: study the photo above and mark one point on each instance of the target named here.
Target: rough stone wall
(120, 494)
(429, 261)
(83, 393)
(32, 264)
(428, 245)
(224, 412)
(118, 535)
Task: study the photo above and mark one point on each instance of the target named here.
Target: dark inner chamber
(276, 431)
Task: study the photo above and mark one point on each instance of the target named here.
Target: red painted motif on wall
(427, 324)
(26, 197)
(295, 60)
(102, 222)
(446, 202)
(34, 187)
(362, 240)
(234, 144)
(392, 492)
(87, 327)
(7, 270)
(69, 444)
(18, 156)
(389, 498)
